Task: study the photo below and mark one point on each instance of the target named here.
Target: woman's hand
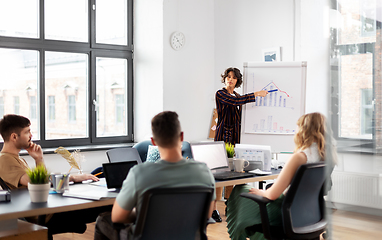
(83, 177)
(257, 191)
(261, 93)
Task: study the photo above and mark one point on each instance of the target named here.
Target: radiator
(357, 189)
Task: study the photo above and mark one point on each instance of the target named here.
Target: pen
(274, 90)
(98, 174)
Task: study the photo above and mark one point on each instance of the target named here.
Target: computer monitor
(211, 153)
(255, 153)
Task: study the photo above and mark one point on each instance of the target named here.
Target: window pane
(356, 74)
(19, 81)
(51, 108)
(66, 90)
(111, 97)
(11, 13)
(354, 63)
(66, 20)
(117, 34)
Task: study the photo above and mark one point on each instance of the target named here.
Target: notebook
(116, 172)
(215, 156)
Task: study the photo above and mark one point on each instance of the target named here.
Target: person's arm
(284, 179)
(82, 177)
(35, 151)
(225, 98)
(120, 215)
(261, 93)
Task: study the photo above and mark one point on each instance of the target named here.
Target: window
(16, 105)
(51, 108)
(119, 108)
(71, 108)
(33, 108)
(356, 104)
(366, 112)
(69, 70)
(1, 106)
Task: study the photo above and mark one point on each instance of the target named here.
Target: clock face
(177, 40)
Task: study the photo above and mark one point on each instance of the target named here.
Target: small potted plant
(38, 185)
(230, 148)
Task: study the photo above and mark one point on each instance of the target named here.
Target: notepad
(260, 172)
(90, 192)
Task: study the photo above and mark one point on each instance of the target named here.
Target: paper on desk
(90, 192)
(260, 172)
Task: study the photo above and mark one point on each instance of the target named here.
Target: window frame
(93, 50)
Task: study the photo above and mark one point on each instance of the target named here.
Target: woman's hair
(312, 128)
(237, 74)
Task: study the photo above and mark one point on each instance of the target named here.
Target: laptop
(116, 172)
(214, 155)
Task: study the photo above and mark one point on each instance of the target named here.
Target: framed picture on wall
(272, 54)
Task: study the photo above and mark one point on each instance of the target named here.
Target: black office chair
(163, 210)
(3, 185)
(123, 155)
(303, 207)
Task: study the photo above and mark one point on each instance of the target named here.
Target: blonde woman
(309, 148)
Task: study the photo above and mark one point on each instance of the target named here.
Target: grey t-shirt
(148, 175)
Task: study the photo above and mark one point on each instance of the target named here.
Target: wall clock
(177, 40)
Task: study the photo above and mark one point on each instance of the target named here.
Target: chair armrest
(262, 202)
(256, 198)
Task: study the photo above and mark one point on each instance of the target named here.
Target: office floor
(346, 225)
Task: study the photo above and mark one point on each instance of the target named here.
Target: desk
(21, 205)
(274, 175)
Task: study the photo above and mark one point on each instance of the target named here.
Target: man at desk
(171, 171)
(16, 134)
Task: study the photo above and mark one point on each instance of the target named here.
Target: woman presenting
(228, 105)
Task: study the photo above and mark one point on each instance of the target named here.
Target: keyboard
(231, 175)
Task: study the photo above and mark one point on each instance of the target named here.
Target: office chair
(123, 155)
(161, 214)
(142, 148)
(3, 185)
(302, 209)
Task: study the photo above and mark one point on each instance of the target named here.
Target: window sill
(85, 148)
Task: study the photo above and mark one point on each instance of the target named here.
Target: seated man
(171, 171)
(16, 134)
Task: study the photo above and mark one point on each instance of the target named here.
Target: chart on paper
(278, 112)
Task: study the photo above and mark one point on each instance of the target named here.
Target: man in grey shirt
(171, 171)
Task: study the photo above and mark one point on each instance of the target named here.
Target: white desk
(257, 178)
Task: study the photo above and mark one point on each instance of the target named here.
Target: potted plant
(230, 148)
(38, 185)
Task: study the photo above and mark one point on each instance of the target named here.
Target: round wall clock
(177, 40)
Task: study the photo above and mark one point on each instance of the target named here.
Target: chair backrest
(142, 148)
(304, 207)
(123, 155)
(173, 213)
(3, 186)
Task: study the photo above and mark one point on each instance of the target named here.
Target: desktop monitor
(211, 153)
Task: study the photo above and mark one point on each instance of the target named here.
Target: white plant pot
(39, 192)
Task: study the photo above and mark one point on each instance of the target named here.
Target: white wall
(188, 73)
(148, 64)
(166, 79)
(244, 28)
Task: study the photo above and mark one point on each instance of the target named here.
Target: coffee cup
(240, 164)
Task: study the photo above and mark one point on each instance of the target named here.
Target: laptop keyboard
(231, 175)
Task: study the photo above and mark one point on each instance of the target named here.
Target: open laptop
(214, 155)
(116, 172)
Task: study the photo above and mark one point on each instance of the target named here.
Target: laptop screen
(115, 173)
(211, 153)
